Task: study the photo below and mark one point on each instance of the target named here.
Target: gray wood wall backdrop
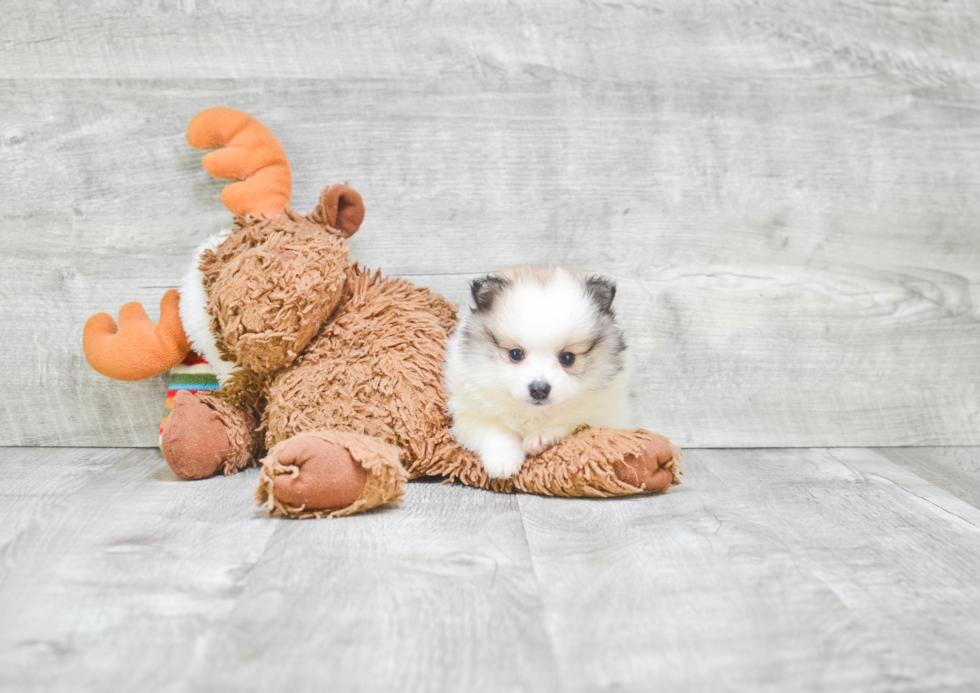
(787, 192)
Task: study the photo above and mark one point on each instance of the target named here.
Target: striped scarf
(194, 375)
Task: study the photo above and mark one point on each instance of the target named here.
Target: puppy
(538, 355)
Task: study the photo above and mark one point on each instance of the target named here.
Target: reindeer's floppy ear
(486, 289)
(341, 209)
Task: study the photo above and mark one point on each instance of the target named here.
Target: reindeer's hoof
(328, 478)
(653, 469)
(195, 444)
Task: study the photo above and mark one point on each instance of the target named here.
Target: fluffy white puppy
(538, 355)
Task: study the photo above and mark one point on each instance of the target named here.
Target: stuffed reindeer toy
(330, 374)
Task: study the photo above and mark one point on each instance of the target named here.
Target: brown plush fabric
(194, 442)
(341, 209)
(374, 368)
(331, 478)
(592, 462)
(586, 464)
(235, 405)
(384, 477)
(655, 468)
(271, 285)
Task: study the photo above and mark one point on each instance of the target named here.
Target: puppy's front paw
(539, 442)
(502, 459)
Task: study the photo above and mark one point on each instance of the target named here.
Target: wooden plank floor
(768, 570)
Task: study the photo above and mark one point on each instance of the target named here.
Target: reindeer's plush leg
(592, 462)
(194, 441)
(329, 473)
(213, 431)
(601, 462)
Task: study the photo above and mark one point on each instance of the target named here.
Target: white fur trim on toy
(194, 314)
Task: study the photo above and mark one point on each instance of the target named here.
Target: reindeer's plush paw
(653, 469)
(326, 476)
(195, 443)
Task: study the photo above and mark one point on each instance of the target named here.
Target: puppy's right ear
(485, 291)
(602, 291)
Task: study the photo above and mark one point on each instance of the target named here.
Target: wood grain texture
(438, 594)
(767, 570)
(615, 40)
(112, 569)
(956, 470)
(787, 194)
(117, 576)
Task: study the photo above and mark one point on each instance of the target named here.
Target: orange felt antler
(138, 349)
(249, 153)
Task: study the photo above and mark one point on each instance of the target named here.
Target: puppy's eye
(516, 355)
(566, 358)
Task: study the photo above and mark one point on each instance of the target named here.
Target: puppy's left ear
(602, 291)
(485, 290)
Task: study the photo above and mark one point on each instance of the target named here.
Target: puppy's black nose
(539, 390)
